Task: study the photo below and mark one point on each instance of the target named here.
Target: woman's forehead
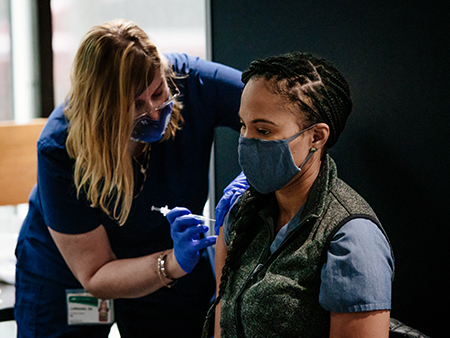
(259, 99)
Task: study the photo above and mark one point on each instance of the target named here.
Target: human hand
(185, 230)
(230, 194)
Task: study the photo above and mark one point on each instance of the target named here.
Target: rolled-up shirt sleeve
(357, 275)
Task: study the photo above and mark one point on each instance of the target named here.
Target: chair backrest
(398, 329)
(18, 160)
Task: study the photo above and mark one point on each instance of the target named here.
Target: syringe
(165, 210)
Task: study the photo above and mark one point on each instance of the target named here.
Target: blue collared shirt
(357, 275)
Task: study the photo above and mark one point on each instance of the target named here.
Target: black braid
(329, 91)
(244, 230)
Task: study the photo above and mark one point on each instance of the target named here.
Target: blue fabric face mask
(269, 165)
(148, 130)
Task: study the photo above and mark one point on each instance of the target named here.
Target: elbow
(95, 288)
(98, 292)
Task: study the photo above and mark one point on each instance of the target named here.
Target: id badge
(85, 309)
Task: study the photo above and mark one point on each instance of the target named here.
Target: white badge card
(85, 309)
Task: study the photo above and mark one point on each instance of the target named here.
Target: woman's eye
(157, 95)
(263, 132)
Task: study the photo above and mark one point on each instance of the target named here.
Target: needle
(165, 210)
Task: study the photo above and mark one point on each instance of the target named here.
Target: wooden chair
(18, 168)
(18, 160)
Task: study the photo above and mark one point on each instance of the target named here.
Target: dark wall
(45, 34)
(394, 151)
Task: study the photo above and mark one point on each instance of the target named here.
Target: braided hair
(310, 82)
(322, 95)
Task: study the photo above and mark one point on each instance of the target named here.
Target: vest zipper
(286, 242)
(237, 308)
(267, 261)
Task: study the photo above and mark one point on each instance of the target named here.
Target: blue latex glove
(235, 189)
(185, 230)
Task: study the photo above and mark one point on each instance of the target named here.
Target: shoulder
(229, 220)
(360, 234)
(51, 145)
(54, 133)
(350, 199)
(184, 64)
(341, 197)
(357, 275)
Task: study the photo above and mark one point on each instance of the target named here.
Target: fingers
(222, 208)
(239, 182)
(181, 219)
(225, 204)
(197, 243)
(176, 212)
(184, 222)
(236, 195)
(195, 230)
(205, 242)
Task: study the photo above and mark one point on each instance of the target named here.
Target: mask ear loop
(311, 153)
(293, 137)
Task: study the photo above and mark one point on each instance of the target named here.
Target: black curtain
(393, 151)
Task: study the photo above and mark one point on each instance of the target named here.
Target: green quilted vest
(278, 295)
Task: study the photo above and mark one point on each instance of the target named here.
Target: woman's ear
(321, 134)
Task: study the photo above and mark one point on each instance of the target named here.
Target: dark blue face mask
(269, 165)
(147, 130)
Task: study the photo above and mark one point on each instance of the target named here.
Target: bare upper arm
(367, 324)
(84, 253)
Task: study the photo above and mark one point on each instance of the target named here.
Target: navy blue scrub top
(177, 176)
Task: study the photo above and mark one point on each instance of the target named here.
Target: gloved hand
(235, 189)
(185, 230)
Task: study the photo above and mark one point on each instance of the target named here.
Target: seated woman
(300, 253)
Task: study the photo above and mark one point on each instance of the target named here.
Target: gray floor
(9, 330)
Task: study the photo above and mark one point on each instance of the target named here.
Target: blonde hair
(114, 64)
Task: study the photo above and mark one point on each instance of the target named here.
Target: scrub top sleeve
(357, 275)
(218, 87)
(61, 209)
(228, 85)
